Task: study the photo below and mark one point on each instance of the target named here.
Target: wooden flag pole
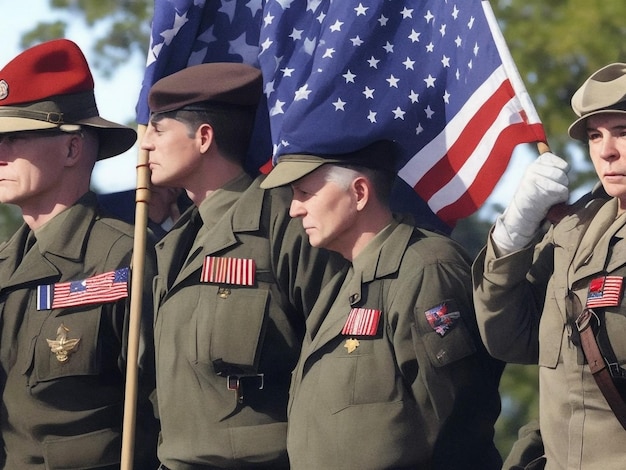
(142, 198)
(543, 147)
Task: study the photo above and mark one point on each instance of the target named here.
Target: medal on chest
(235, 271)
(360, 322)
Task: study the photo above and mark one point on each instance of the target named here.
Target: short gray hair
(340, 175)
(343, 175)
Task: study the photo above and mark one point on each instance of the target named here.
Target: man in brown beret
(64, 274)
(555, 298)
(236, 278)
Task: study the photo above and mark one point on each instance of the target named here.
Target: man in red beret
(64, 274)
(236, 278)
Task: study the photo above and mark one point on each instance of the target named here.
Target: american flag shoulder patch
(442, 317)
(605, 291)
(362, 322)
(102, 288)
(236, 271)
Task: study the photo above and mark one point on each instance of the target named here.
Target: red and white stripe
(605, 292)
(98, 289)
(362, 322)
(237, 271)
(457, 171)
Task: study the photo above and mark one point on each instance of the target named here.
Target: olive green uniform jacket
(526, 303)
(404, 396)
(210, 335)
(68, 415)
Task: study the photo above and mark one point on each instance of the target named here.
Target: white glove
(544, 184)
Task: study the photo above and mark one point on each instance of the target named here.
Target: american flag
(434, 75)
(102, 288)
(605, 291)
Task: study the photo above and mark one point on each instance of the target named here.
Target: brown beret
(218, 82)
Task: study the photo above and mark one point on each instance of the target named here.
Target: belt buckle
(583, 319)
(233, 383)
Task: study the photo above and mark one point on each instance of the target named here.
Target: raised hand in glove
(544, 184)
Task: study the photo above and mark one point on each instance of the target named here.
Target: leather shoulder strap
(598, 366)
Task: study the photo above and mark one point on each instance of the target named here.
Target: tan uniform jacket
(525, 305)
(68, 414)
(404, 397)
(206, 332)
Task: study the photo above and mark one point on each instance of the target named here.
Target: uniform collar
(66, 234)
(383, 254)
(213, 208)
(64, 237)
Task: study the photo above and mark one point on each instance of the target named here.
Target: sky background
(116, 98)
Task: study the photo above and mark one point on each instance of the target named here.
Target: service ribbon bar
(237, 271)
(605, 291)
(102, 288)
(362, 322)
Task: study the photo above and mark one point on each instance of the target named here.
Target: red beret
(224, 83)
(50, 85)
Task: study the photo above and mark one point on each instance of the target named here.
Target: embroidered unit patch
(443, 317)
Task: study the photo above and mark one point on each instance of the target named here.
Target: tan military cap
(379, 155)
(603, 92)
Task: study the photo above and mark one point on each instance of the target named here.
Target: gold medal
(351, 344)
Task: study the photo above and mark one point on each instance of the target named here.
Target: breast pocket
(230, 335)
(67, 345)
(365, 376)
(616, 331)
